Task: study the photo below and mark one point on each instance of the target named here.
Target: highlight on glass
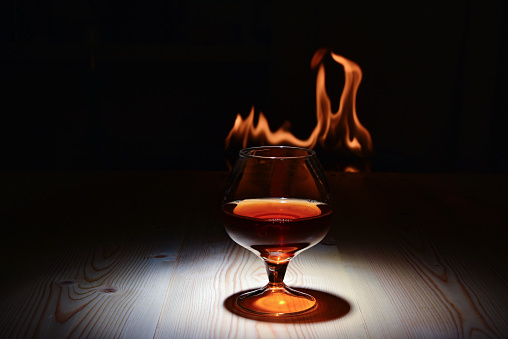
(276, 204)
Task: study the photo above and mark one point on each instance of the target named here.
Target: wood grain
(429, 273)
(129, 255)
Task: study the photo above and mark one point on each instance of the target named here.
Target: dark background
(128, 85)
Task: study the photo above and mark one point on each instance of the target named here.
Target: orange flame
(334, 131)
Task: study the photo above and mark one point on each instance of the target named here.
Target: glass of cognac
(276, 204)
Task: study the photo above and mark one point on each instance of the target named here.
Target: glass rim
(246, 152)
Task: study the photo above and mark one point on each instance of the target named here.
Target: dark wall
(157, 84)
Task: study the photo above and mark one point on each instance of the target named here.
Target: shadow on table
(330, 307)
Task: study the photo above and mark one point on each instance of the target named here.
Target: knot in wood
(108, 290)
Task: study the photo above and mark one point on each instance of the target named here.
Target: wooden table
(144, 255)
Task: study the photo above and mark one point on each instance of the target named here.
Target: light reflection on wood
(144, 255)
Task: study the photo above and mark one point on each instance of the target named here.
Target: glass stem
(276, 273)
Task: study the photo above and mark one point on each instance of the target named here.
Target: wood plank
(430, 283)
(476, 204)
(108, 288)
(359, 240)
(146, 255)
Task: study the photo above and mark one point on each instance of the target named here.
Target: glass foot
(276, 300)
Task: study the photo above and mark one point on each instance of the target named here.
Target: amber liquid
(276, 228)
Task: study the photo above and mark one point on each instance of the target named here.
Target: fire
(341, 130)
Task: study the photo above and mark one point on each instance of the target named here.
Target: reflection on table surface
(144, 254)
